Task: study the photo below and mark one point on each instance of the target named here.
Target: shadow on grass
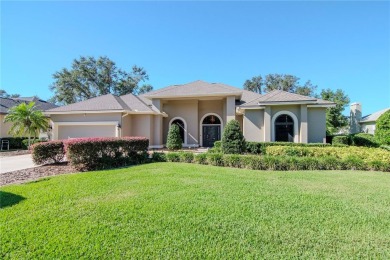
(8, 199)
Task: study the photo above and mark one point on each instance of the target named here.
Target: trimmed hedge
(282, 163)
(363, 139)
(364, 154)
(15, 142)
(340, 139)
(260, 147)
(103, 153)
(48, 152)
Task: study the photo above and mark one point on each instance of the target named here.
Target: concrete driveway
(14, 163)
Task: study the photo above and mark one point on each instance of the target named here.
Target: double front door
(211, 133)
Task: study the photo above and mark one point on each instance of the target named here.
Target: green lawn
(173, 210)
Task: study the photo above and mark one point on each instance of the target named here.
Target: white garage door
(76, 131)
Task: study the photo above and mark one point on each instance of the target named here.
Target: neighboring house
(201, 110)
(365, 124)
(7, 103)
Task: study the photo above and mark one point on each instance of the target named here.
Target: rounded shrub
(363, 139)
(233, 141)
(174, 141)
(382, 129)
(48, 152)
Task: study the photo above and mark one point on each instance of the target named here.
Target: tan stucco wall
(240, 119)
(4, 127)
(126, 126)
(212, 106)
(70, 131)
(188, 111)
(253, 125)
(142, 125)
(316, 124)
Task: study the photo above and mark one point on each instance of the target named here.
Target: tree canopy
(89, 77)
(286, 82)
(382, 129)
(335, 120)
(4, 94)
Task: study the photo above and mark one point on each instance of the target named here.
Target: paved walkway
(14, 163)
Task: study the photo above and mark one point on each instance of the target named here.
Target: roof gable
(108, 102)
(374, 116)
(196, 88)
(280, 96)
(105, 102)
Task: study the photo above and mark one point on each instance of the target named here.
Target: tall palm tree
(26, 120)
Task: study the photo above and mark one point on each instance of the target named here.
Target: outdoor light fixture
(118, 125)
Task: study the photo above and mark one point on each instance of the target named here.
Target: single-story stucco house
(201, 110)
(365, 124)
(7, 103)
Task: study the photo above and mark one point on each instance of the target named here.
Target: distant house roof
(7, 103)
(197, 88)
(109, 102)
(280, 96)
(374, 116)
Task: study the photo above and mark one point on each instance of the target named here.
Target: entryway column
(267, 124)
(230, 108)
(303, 128)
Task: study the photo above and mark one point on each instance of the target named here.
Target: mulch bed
(31, 174)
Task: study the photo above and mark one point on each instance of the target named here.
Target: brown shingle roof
(196, 88)
(7, 103)
(107, 102)
(374, 116)
(280, 96)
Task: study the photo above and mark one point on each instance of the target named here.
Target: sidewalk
(14, 163)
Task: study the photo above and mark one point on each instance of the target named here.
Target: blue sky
(334, 44)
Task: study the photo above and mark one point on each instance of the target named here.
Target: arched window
(182, 128)
(211, 120)
(284, 128)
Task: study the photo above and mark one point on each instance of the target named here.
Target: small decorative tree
(174, 141)
(382, 129)
(233, 142)
(26, 120)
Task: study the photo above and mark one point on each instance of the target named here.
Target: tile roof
(247, 96)
(374, 116)
(107, 102)
(196, 88)
(7, 103)
(277, 96)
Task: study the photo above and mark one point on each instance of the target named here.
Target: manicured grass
(173, 210)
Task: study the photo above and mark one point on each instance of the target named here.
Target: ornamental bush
(382, 129)
(48, 152)
(233, 141)
(363, 139)
(103, 153)
(174, 141)
(365, 154)
(340, 139)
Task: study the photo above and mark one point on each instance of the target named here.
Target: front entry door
(211, 133)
